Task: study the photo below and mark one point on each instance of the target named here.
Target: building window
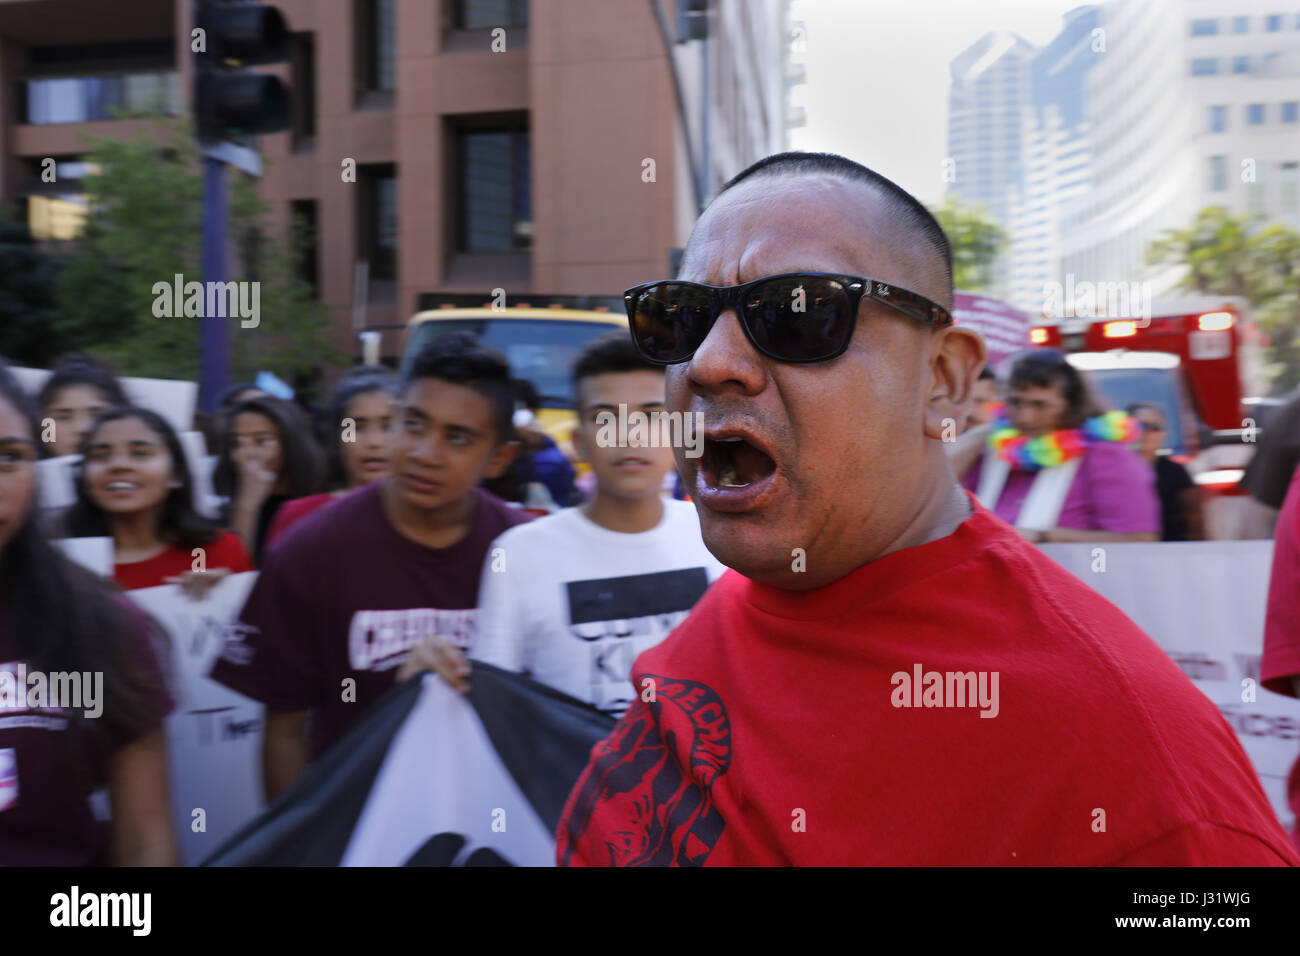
(303, 212)
(378, 220)
(78, 84)
(485, 14)
(493, 191)
(1273, 23)
(1255, 114)
(82, 99)
(58, 210)
(1241, 64)
(1205, 66)
(1218, 119)
(1240, 24)
(377, 53)
(1205, 28)
(303, 90)
(1289, 188)
(1290, 112)
(1218, 173)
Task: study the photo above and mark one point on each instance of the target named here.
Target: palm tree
(1240, 255)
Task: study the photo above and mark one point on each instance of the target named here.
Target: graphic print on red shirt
(777, 732)
(668, 818)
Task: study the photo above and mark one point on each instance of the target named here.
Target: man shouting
(889, 674)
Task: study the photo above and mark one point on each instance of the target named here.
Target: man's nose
(429, 449)
(726, 356)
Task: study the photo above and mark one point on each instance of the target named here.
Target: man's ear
(502, 459)
(956, 357)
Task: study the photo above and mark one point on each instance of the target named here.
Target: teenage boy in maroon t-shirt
(350, 589)
(889, 674)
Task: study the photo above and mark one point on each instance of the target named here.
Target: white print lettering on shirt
(378, 640)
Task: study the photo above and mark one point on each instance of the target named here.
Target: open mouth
(121, 486)
(733, 462)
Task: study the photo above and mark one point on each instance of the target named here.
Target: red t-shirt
(1281, 660)
(345, 596)
(778, 735)
(52, 759)
(227, 551)
(291, 512)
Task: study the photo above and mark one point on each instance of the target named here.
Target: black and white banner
(432, 778)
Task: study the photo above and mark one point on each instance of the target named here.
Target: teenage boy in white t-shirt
(571, 599)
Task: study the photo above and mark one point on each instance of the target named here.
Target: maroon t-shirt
(51, 761)
(344, 595)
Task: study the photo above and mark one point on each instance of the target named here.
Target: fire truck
(1198, 358)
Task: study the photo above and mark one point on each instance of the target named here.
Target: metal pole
(706, 91)
(214, 346)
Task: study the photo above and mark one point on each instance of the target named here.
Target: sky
(877, 88)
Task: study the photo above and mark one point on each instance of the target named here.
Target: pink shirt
(1113, 490)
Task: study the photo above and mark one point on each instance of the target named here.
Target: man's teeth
(728, 479)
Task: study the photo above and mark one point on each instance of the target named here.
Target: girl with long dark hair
(361, 416)
(267, 457)
(59, 620)
(135, 487)
(79, 390)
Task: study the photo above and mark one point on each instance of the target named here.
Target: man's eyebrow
(464, 430)
(414, 412)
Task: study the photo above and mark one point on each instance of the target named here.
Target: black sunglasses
(792, 317)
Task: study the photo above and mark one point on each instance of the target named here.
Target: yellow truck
(540, 336)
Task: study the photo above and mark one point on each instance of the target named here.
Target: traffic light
(229, 99)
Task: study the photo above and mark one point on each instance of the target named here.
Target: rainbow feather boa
(1060, 446)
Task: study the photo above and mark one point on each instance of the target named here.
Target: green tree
(1225, 254)
(29, 334)
(144, 228)
(976, 242)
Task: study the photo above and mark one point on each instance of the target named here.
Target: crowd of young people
(386, 543)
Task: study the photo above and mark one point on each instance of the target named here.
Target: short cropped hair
(461, 359)
(611, 352)
(905, 206)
